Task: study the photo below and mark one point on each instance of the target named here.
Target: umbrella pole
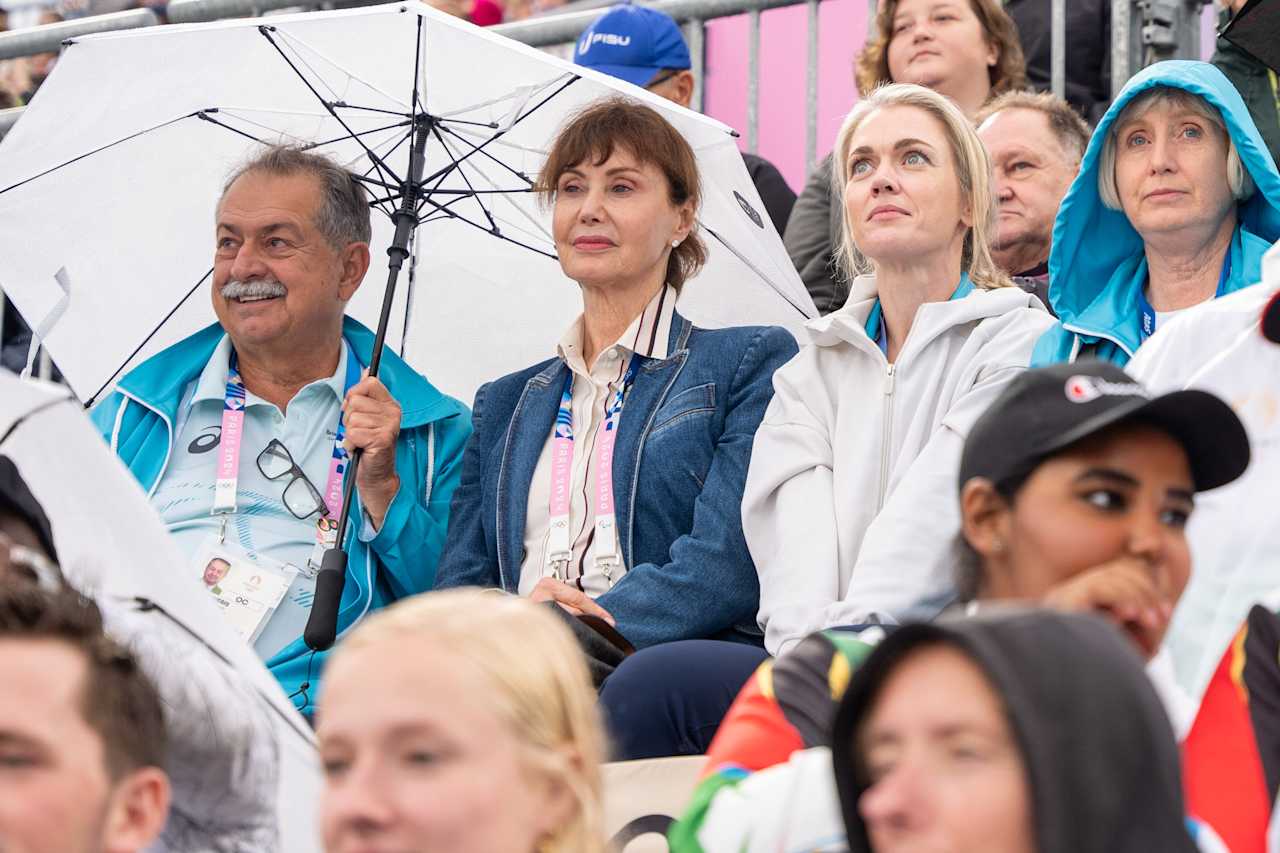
(322, 623)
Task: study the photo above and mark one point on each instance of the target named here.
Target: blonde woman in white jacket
(850, 507)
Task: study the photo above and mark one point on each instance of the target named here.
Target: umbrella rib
(148, 338)
(414, 103)
(480, 148)
(203, 115)
(488, 213)
(453, 215)
(405, 123)
(98, 150)
(343, 105)
(386, 171)
(754, 269)
(463, 174)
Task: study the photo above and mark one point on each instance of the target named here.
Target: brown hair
(1009, 72)
(1070, 130)
(593, 133)
(117, 700)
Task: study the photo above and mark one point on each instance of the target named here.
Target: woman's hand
(1123, 591)
(570, 598)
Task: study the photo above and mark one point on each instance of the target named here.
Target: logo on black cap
(1086, 389)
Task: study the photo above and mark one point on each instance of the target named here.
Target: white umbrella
(109, 181)
(243, 762)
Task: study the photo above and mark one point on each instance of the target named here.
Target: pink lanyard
(560, 539)
(228, 476)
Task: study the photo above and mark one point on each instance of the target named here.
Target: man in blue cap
(645, 47)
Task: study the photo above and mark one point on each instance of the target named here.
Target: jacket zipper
(886, 436)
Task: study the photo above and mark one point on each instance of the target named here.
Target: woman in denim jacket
(652, 544)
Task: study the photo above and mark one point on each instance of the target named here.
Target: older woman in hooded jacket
(1176, 201)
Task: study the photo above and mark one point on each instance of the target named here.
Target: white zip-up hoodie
(1218, 347)
(851, 503)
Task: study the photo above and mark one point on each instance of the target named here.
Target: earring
(675, 243)
(998, 546)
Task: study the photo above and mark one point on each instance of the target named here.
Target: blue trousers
(669, 699)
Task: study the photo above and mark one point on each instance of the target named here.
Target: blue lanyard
(1147, 314)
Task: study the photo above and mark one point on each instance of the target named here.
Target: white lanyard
(560, 539)
(228, 476)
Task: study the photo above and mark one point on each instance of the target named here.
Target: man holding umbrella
(280, 375)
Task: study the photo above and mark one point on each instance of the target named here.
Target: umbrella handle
(322, 622)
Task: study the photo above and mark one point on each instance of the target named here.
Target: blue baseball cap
(632, 43)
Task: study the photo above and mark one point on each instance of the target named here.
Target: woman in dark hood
(1009, 732)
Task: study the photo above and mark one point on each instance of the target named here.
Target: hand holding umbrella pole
(322, 624)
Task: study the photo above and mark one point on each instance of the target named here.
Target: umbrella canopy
(243, 762)
(108, 186)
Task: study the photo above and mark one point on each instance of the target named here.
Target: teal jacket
(138, 418)
(1097, 268)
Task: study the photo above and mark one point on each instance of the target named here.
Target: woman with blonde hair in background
(967, 50)
(461, 722)
(848, 508)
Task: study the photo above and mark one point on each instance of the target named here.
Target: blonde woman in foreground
(849, 509)
(460, 722)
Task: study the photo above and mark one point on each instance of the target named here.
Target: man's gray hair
(343, 217)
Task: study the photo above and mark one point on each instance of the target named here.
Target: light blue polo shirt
(261, 524)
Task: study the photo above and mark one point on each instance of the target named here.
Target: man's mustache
(253, 289)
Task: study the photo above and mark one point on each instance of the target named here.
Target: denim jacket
(684, 443)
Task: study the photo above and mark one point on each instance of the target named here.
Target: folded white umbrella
(243, 761)
(109, 181)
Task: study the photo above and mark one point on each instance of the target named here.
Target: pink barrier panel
(783, 62)
(783, 57)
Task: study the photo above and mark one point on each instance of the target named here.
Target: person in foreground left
(280, 375)
(82, 737)
(461, 721)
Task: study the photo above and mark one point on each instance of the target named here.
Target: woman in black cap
(1075, 489)
(1031, 732)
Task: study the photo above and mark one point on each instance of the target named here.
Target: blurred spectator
(222, 757)
(645, 47)
(965, 49)
(1036, 142)
(482, 13)
(1088, 69)
(518, 10)
(1257, 83)
(461, 721)
(81, 727)
(1175, 204)
(1012, 732)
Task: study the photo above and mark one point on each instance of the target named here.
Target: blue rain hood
(1097, 266)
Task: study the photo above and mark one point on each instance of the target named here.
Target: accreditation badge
(246, 590)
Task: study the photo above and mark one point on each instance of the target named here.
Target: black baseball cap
(1048, 409)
